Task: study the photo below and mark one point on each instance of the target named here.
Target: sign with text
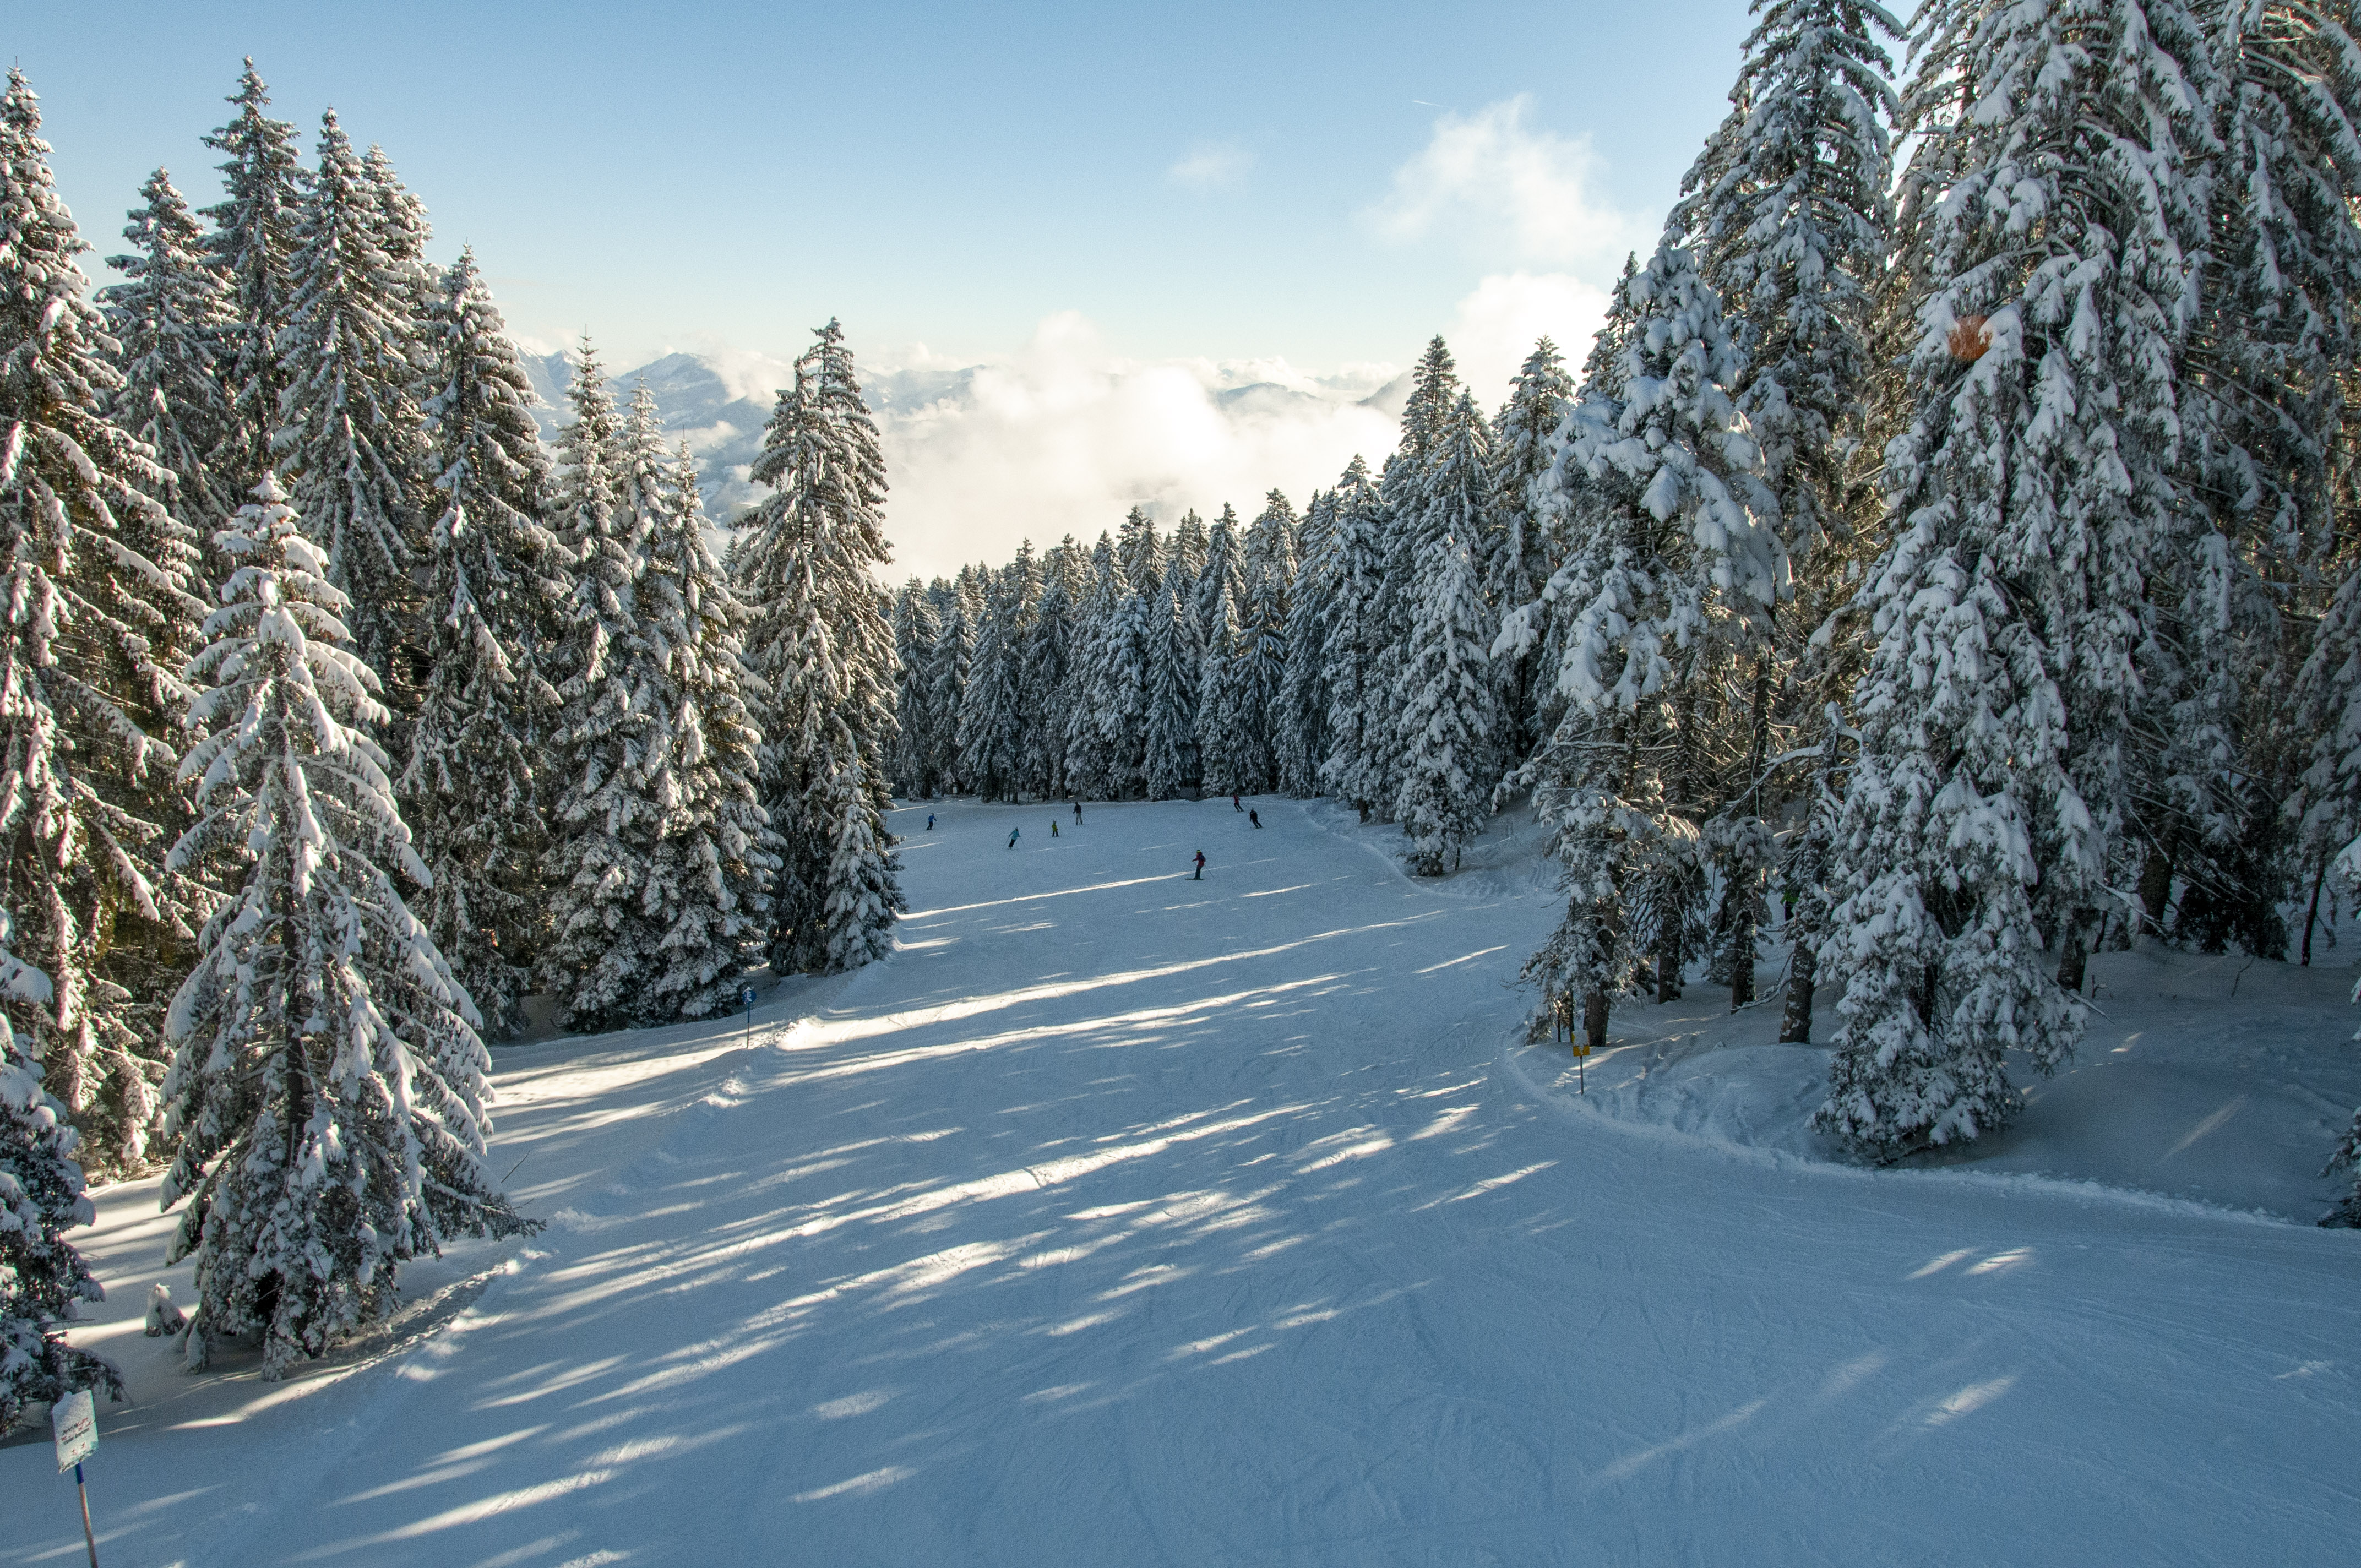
(74, 1420)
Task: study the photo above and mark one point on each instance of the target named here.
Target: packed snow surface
(1123, 1218)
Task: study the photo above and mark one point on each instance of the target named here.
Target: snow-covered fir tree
(1090, 756)
(1518, 556)
(916, 631)
(993, 724)
(715, 854)
(1453, 500)
(351, 437)
(1676, 568)
(1354, 770)
(947, 680)
(2051, 226)
(250, 247)
(328, 1089)
(1449, 713)
(172, 317)
(42, 1279)
(90, 619)
(1174, 663)
(1300, 726)
(473, 789)
(824, 654)
(1049, 660)
(1227, 748)
(601, 952)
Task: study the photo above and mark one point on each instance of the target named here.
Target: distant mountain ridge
(980, 450)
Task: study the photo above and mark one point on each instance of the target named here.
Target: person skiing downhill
(1234, 802)
(1201, 867)
(1012, 832)
(1078, 813)
(1255, 817)
(931, 821)
(1053, 828)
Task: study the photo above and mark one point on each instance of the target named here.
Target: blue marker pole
(88, 1539)
(747, 995)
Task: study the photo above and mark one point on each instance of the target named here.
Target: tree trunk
(2074, 951)
(1594, 1020)
(1741, 952)
(1668, 970)
(1795, 1017)
(2312, 916)
(2155, 888)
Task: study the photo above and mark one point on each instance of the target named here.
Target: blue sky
(1322, 185)
(944, 174)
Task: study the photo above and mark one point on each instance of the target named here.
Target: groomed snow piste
(1121, 1218)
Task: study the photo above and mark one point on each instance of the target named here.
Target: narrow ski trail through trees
(1123, 1218)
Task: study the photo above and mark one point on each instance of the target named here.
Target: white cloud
(1508, 191)
(1065, 437)
(1211, 166)
(1495, 327)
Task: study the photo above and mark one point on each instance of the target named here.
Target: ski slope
(1126, 1219)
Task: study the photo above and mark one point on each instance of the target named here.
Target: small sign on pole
(74, 1423)
(747, 996)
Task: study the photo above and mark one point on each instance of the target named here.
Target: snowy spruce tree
(351, 437)
(1173, 674)
(1354, 770)
(603, 752)
(82, 688)
(250, 248)
(1519, 556)
(42, 1278)
(474, 790)
(2030, 495)
(715, 855)
(820, 646)
(1677, 569)
(1300, 726)
(171, 318)
(1449, 713)
(916, 631)
(1048, 661)
(328, 1088)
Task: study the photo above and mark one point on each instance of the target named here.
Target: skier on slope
(1234, 802)
(1078, 812)
(931, 821)
(1053, 828)
(1201, 867)
(1013, 833)
(1255, 817)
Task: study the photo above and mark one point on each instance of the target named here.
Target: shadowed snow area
(1127, 1219)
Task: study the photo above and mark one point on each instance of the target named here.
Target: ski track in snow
(1127, 1219)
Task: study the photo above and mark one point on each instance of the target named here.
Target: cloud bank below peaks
(1064, 437)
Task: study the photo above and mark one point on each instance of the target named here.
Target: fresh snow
(1123, 1218)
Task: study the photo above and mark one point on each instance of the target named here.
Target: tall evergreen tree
(1448, 712)
(351, 435)
(251, 248)
(1678, 569)
(171, 316)
(715, 854)
(473, 788)
(328, 1089)
(1174, 672)
(42, 1278)
(602, 947)
(1519, 556)
(822, 648)
(915, 630)
(1354, 770)
(2051, 226)
(1302, 715)
(90, 619)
